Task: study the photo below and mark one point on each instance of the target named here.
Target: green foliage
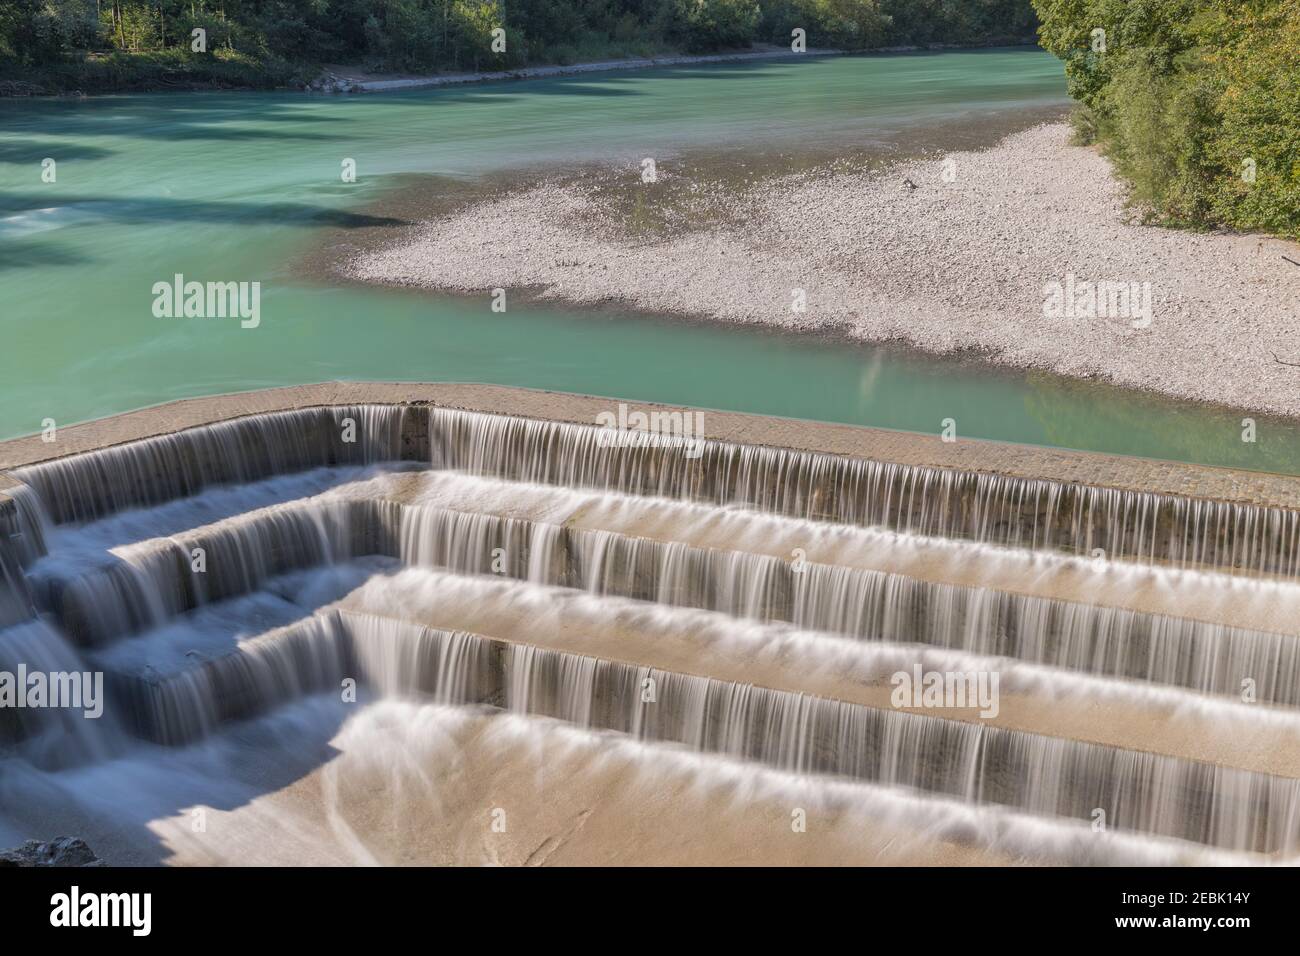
(63, 44)
(172, 68)
(715, 24)
(1186, 98)
(849, 24)
(867, 24)
(958, 21)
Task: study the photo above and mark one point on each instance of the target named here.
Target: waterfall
(863, 604)
(1230, 809)
(977, 506)
(141, 586)
(283, 665)
(734, 616)
(51, 736)
(154, 470)
(26, 527)
(16, 602)
(179, 682)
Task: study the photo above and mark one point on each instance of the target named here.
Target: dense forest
(124, 44)
(1197, 102)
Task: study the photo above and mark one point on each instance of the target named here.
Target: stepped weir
(454, 623)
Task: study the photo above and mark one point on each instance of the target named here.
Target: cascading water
(929, 501)
(52, 737)
(803, 734)
(864, 604)
(736, 614)
(245, 449)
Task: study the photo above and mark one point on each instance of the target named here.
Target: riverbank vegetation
(1197, 103)
(89, 45)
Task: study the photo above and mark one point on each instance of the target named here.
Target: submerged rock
(61, 851)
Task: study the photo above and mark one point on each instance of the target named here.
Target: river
(245, 187)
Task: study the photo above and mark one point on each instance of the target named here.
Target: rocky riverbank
(1024, 252)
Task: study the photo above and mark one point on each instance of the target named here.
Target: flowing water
(502, 642)
(245, 187)
(351, 652)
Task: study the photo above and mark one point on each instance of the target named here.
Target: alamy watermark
(636, 429)
(951, 689)
(1101, 299)
(70, 690)
(179, 299)
(74, 908)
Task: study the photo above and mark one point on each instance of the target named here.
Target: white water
(336, 769)
(833, 593)
(181, 464)
(947, 504)
(799, 733)
(581, 573)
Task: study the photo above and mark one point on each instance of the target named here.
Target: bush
(1197, 103)
(850, 24)
(716, 24)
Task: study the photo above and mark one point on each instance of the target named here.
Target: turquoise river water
(239, 187)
